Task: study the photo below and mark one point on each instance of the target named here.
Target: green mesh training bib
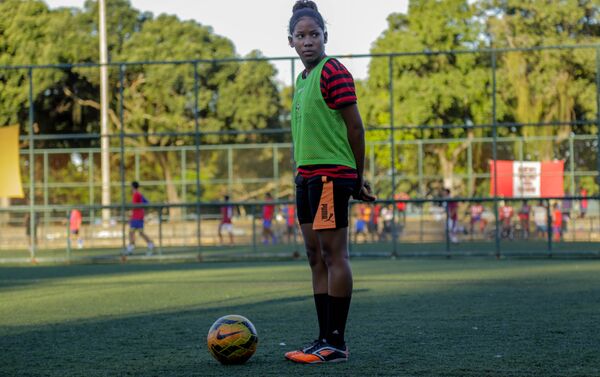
(319, 133)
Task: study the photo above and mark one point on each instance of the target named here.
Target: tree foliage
(159, 99)
(455, 90)
(432, 89)
(28, 35)
(548, 86)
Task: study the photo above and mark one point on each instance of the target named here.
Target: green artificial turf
(409, 317)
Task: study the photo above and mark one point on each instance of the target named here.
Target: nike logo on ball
(223, 336)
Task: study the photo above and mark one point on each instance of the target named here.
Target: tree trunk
(449, 159)
(172, 195)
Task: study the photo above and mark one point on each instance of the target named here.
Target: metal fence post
(275, 157)
(183, 183)
(572, 164)
(447, 228)
(471, 188)
(549, 225)
(495, 153)
(32, 219)
(392, 153)
(122, 152)
(372, 163)
(197, 142)
(421, 208)
(69, 234)
(254, 249)
(91, 185)
(160, 237)
(229, 170)
(45, 188)
(598, 112)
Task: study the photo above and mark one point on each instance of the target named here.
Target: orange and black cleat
(289, 355)
(320, 352)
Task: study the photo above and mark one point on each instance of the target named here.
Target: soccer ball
(232, 339)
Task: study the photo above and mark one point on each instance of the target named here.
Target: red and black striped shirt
(337, 87)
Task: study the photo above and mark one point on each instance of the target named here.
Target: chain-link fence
(190, 141)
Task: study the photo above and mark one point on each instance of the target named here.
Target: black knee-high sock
(338, 314)
(322, 305)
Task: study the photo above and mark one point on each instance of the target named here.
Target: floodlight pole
(104, 131)
(598, 112)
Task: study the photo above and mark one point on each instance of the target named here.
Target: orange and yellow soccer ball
(232, 339)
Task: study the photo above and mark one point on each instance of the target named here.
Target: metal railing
(393, 228)
(194, 199)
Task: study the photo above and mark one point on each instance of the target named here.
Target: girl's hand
(365, 193)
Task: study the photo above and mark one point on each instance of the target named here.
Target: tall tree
(159, 98)
(548, 86)
(430, 89)
(29, 32)
(250, 101)
(28, 35)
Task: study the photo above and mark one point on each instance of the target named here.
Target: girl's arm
(356, 138)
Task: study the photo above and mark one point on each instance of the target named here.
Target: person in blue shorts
(136, 222)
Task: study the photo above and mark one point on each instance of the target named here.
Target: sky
(353, 25)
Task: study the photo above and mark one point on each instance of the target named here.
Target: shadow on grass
(25, 275)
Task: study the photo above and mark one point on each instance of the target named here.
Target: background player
(226, 224)
(268, 213)
(75, 227)
(476, 213)
(289, 215)
(136, 222)
(452, 208)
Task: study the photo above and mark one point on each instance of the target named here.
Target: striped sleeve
(337, 85)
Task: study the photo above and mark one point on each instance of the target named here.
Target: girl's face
(309, 41)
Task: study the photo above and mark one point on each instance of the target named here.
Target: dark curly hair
(305, 8)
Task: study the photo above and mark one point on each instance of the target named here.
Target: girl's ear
(325, 35)
(290, 42)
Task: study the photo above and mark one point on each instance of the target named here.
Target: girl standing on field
(329, 148)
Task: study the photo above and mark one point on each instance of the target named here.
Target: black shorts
(308, 197)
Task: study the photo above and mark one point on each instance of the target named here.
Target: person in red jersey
(506, 215)
(476, 212)
(583, 206)
(452, 208)
(329, 146)
(289, 214)
(268, 213)
(136, 221)
(226, 223)
(524, 213)
(557, 222)
(401, 208)
(75, 221)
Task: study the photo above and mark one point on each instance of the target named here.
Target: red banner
(528, 179)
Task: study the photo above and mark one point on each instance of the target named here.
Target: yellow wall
(10, 174)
